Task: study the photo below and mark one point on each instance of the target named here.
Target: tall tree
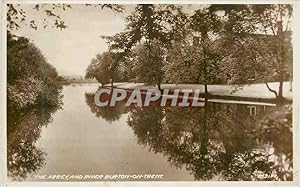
(196, 58)
(260, 36)
(150, 71)
(273, 18)
(102, 68)
(208, 24)
(148, 24)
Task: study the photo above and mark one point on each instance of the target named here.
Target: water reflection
(108, 113)
(223, 141)
(23, 130)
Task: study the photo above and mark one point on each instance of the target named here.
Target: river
(231, 142)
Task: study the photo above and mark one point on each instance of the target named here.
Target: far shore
(252, 92)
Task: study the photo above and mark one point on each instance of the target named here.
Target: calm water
(225, 142)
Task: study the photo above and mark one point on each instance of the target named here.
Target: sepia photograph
(131, 91)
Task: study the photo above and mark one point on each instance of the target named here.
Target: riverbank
(253, 92)
(76, 81)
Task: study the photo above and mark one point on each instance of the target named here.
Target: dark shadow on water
(108, 113)
(24, 127)
(222, 141)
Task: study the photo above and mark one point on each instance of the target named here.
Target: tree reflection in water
(23, 130)
(108, 113)
(218, 142)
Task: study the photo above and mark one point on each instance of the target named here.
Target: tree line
(31, 80)
(217, 44)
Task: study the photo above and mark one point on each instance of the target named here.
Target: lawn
(259, 91)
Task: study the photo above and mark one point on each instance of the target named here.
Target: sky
(71, 50)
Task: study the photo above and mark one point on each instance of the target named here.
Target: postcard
(170, 93)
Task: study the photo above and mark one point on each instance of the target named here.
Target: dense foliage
(102, 69)
(31, 79)
(228, 44)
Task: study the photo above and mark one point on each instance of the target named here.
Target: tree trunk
(159, 86)
(280, 92)
(291, 85)
(204, 138)
(204, 133)
(280, 57)
(206, 93)
(112, 83)
(204, 37)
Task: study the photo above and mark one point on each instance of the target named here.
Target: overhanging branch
(271, 90)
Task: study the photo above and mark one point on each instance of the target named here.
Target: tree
(101, 68)
(149, 65)
(148, 24)
(187, 63)
(271, 18)
(196, 58)
(208, 24)
(27, 87)
(127, 68)
(260, 35)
